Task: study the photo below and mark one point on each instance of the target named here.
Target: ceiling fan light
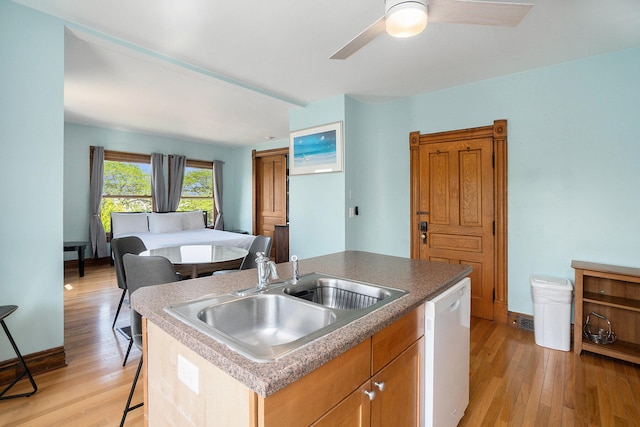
(405, 18)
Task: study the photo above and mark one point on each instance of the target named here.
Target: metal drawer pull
(370, 394)
(380, 385)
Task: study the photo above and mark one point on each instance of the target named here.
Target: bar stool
(5, 311)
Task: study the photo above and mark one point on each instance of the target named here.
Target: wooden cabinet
(388, 364)
(614, 292)
(397, 387)
(281, 243)
(306, 400)
(391, 397)
(354, 411)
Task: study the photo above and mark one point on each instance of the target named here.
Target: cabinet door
(398, 393)
(354, 411)
(306, 400)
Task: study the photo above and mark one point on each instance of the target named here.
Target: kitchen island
(223, 374)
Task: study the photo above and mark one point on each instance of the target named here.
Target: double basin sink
(269, 324)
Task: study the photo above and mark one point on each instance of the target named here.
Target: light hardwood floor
(512, 380)
(93, 388)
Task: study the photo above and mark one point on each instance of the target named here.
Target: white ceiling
(228, 72)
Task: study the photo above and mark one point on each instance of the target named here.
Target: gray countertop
(424, 280)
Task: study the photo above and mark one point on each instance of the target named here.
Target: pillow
(192, 220)
(128, 223)
(165, 223)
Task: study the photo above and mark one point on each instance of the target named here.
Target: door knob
(423, 231)
(370, 394)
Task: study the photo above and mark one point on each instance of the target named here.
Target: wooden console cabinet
(281, 243)
(613, 292)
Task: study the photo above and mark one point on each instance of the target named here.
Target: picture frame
(317, 149)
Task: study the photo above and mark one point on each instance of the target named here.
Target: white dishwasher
(446, 362)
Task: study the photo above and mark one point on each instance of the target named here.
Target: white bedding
(194, 237)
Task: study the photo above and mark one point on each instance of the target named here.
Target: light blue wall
(31, 175)
(317, 201)
(378, 178)
(78, 139)
(573, 164)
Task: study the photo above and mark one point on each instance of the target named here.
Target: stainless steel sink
(266, 320)
(262, 326)
(339, 293)
(267, 325)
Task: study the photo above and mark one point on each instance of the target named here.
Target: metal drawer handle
(380, 385)
(370, 394)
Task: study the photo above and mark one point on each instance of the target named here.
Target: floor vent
(525, 323)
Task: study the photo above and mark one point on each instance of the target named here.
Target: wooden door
(454, 197)
(270, 192)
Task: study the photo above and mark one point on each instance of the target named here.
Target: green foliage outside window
(197, 191)
(127, 188)
(123, 178)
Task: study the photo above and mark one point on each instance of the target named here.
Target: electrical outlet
(188, 374)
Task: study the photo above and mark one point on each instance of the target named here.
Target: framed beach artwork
(316, 150)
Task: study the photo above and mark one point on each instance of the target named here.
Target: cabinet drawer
(393, 340)
(304, 401)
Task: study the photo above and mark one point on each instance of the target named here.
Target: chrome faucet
(266, 270)
(296, 274)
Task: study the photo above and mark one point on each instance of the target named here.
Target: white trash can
(552, 298)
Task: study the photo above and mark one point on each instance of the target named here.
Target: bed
(161, 230)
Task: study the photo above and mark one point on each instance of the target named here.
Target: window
(197, 188)
(127, 185)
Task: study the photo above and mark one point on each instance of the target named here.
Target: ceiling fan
(406, 18)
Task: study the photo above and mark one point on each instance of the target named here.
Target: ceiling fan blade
(357, 43)
(478, 12)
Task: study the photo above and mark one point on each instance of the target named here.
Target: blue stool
(6, 310)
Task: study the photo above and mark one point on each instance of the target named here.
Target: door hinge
(493, 160)
(493, 228)
(493, 295)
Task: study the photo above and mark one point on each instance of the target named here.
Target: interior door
(270, 188)
(453, 203)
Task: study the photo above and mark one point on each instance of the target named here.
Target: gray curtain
(96, 230)
(217, 193)
(157, 182)
(176, 171)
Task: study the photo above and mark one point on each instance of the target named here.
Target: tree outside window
(127, 188)
(197, 188)
(126, 184)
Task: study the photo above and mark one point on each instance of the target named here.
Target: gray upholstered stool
(5, 311)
